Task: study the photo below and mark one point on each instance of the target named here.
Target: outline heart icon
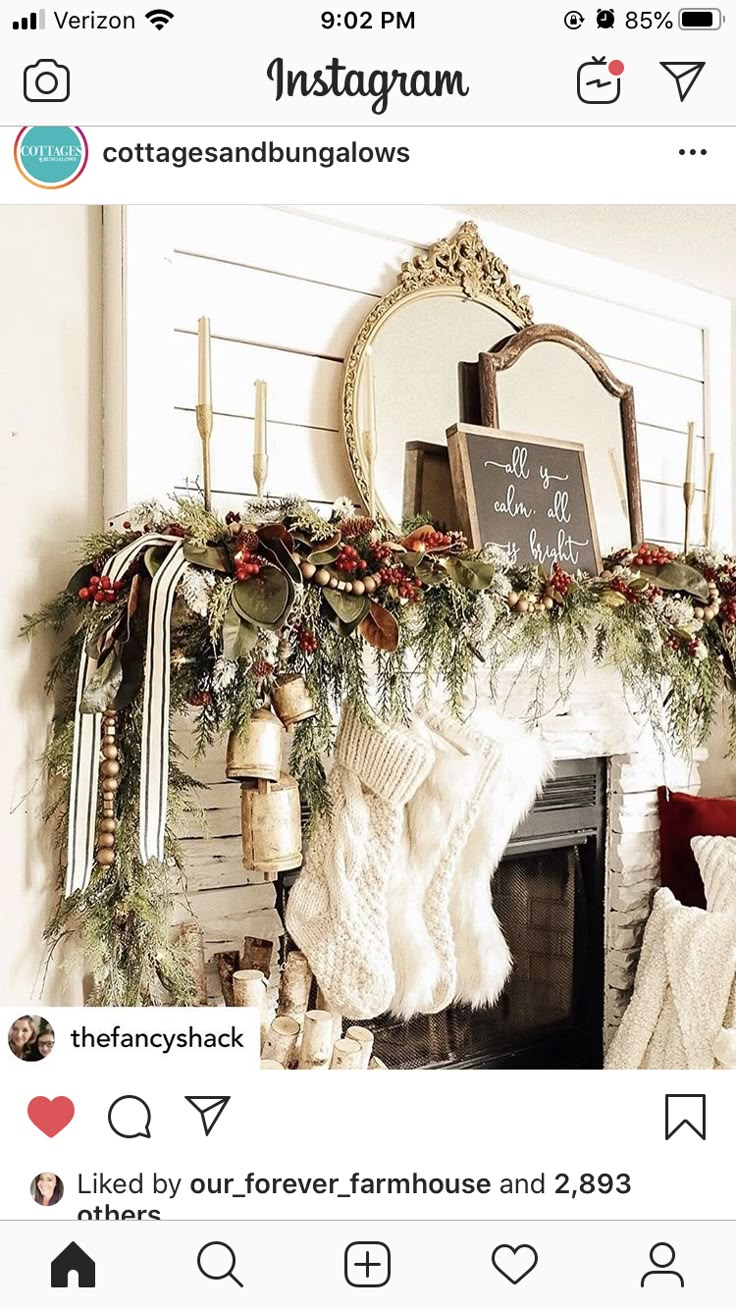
(51, 1116)
(514, 1251)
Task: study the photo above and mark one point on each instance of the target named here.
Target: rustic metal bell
(256, 751)
(272, 829)
(292, 700)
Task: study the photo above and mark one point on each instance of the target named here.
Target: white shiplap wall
(286, 292)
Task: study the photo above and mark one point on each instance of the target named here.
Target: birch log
(375, 1064)
(336, 1018)
(280, 1043)
(365, 1040)
(191, 942)
(346, 1054)
(271, 1065)
(296, 984)
(228, 963)
(316, 1047)
(249, 989)
(257, 953)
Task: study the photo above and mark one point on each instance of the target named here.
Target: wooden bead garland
(110, 781)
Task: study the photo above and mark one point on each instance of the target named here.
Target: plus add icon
(367, 1263)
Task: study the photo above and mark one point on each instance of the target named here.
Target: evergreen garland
(368, 621)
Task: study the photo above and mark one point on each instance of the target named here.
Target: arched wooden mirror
(546, 381)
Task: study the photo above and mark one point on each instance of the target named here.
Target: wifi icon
(159, 17)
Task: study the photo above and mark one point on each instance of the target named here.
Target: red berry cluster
(352, 527)
(100, 590)
(261, 668)
(436, 540)
(409, 589)
(306, 640)
(651, 555)
(382, 552)
(349, 561)
(728, 612)
(247, 564)
(560, 580)
(693, 646)
(392, 575)
(174, 529)
(618, 584)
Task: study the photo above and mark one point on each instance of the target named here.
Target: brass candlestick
(204, 427)
(688, 495)
(708, 505)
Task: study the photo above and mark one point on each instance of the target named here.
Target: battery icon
(700, 20)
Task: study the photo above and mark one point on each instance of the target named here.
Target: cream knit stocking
(438, 821)
(337, 909)
(446, 941)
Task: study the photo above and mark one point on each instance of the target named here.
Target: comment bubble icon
(130, 1117)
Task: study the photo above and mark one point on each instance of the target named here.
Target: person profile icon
(662, 1256)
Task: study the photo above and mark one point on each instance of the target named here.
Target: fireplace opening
(549, 895)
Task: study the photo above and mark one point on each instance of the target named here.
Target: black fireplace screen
(535, 898)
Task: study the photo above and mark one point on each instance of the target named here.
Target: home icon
(73, 1260)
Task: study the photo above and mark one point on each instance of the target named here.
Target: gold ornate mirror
(400, 385)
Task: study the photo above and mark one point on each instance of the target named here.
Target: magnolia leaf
(154, 556)
(264, 600)
(473, 574)
(345, 611)
(325, 555)
(277, 551)
(429, 572)
(80, 578)
(102, 688)
(613, 599)
(238, 637)
(678, 577)
(379, 628)
(208, 556)
(271, 532)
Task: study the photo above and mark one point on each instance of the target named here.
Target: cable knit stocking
(438, 822)
(337, 909)
(446, 941)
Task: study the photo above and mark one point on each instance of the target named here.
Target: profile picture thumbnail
(47, 1189)
(31, 1038)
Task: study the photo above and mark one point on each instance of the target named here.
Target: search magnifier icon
(216, 1260)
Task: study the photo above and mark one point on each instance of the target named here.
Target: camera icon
(46, 80)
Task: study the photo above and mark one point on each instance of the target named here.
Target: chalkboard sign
(526, 493)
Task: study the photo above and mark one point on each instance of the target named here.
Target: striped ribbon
(155, 738)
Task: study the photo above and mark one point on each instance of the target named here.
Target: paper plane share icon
(685, 75)
(209, 1108)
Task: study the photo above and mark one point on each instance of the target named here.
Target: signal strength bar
(35, 22)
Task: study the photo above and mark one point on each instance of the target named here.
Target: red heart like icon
(51, 1116)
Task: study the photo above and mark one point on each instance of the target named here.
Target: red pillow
(682, 816)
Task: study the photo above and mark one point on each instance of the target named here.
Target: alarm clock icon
(606, 18)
